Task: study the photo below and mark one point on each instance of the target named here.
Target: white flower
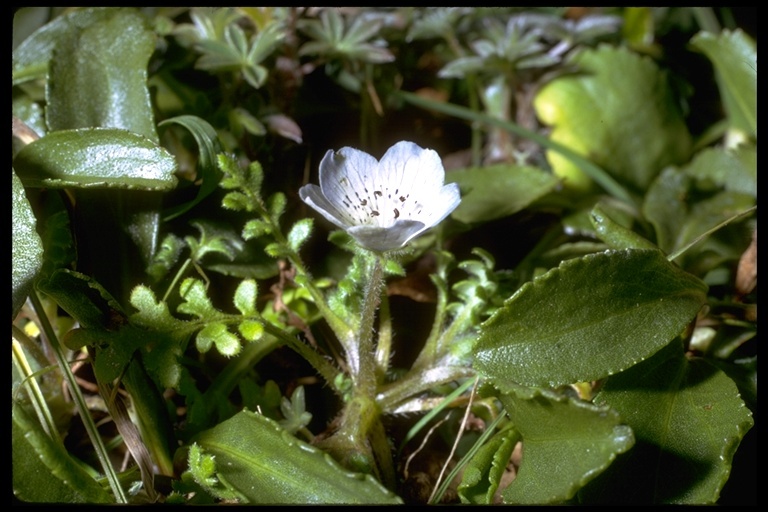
(383, 204)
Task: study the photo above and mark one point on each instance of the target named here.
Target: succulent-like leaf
(688, 420)
(27, 248)
(262, 462)
(96, 157)
(566, 443)
(589, 318)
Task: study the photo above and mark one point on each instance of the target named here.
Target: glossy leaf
(614, 234)
(589, 318)
(566, 443)
(263, 463)
(734, 55)
(619, 111)
(98, 78)
(209, 148)
(26, 246)
(31, 57)
(43, 471)
(96, 157)
(688, 419)
(497, 191)
(482, 475)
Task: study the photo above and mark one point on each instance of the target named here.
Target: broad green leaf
(734, 55)
(566, 443)
(43, 471)
(482, 475)
(498, 191)
(688, 419)
(26, 246)
(734, 170)
(664, 206)
(98, 77)
(83, 298)
(96, 157)
(31, 57)
(262, 462)
(619, 112)
(209, 148)
(589, 318)
(671, 204)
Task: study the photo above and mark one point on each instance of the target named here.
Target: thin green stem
(384, 344)
(361, 360)
(428, 353)
(30, 382)
(417, 382)
(323, 367)
(77, 395)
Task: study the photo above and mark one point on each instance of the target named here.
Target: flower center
(379, 207)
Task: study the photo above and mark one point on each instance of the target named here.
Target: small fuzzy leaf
(245, 297)
(589, 318)
(251, 330)
(196, 301)
(216, 333)
(299, 233)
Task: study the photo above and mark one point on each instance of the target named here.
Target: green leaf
(209, 147)
(98, 77)
(614, 234)
(299, 233)
(294, 412)
(96, 157)
(589, 318)
(734, 55)
(83, 298)
(43, 471)
(566, 443)
(245, 297)
(497, 191)
(620, 112)
(734, 169)
(196, 301)
(27, 248)
(483, 474)
(216, 333)
(31, 57)
(262, 462)
(688, 419)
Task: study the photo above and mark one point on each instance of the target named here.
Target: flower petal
(346, 181)
(446, 200)
(380, 239)
(313, 196)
